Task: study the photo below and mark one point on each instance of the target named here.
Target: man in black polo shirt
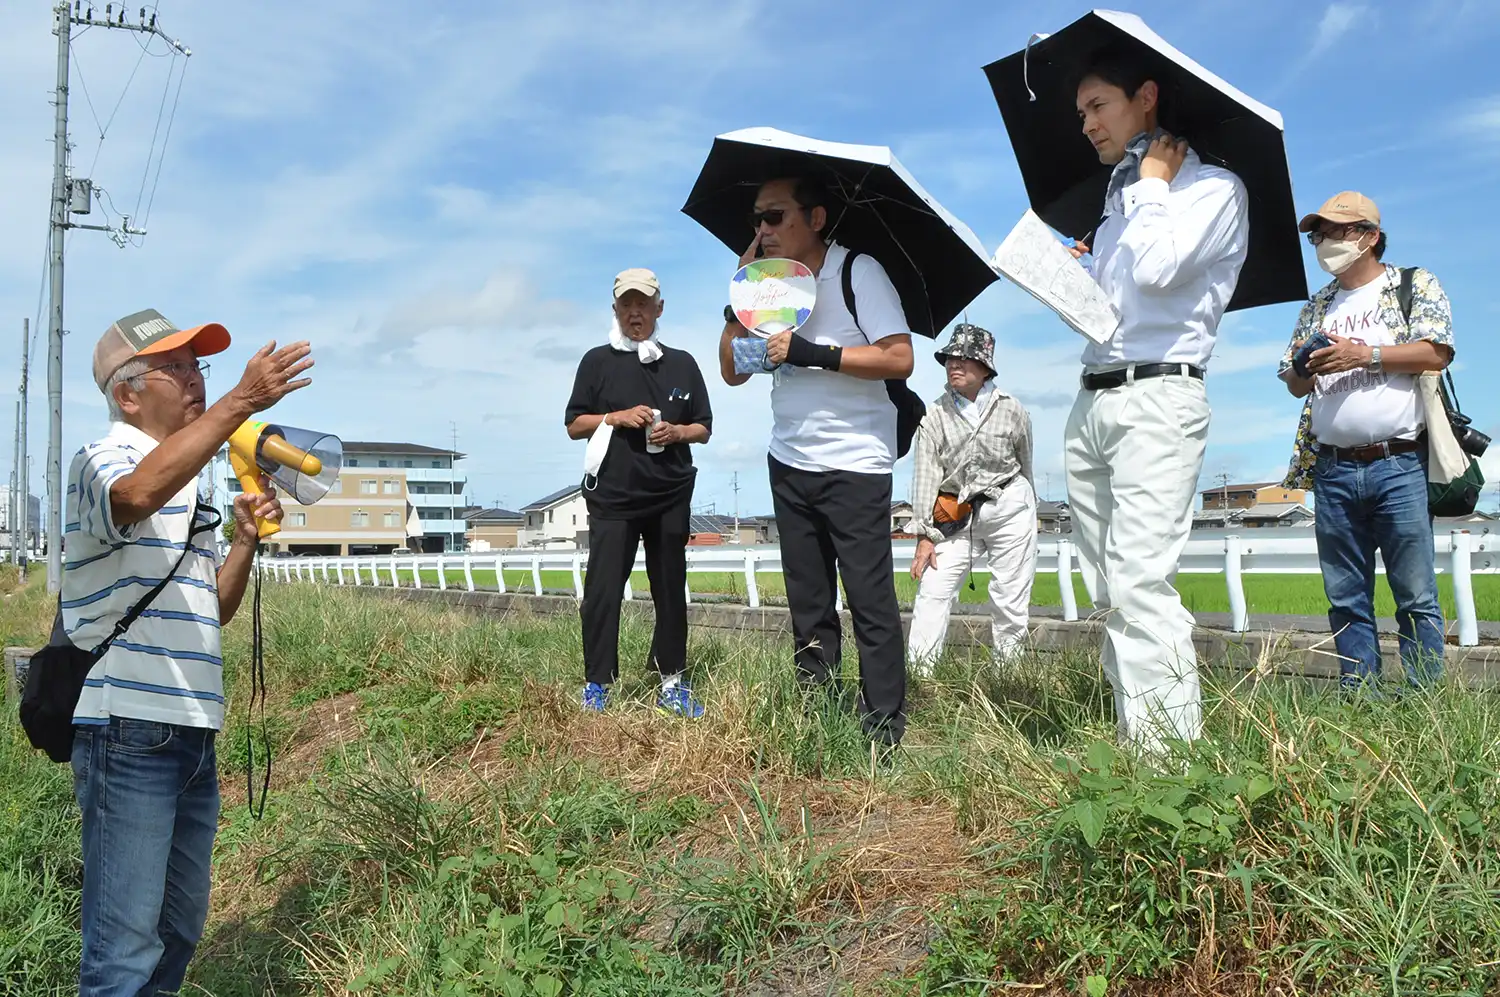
(639, 404)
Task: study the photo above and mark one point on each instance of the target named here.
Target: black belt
(1116, 378)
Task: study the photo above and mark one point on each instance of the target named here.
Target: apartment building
(388, 496)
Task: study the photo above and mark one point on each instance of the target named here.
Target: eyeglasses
(1316, 237)
(771, 216)
(181, 370)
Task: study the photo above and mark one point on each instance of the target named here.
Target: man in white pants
(972, 494)
(1168, 255)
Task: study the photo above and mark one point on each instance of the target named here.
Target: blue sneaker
(595, 697)
(679, 701)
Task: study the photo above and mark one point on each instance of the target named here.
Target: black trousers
(843, 519)
(612, 544)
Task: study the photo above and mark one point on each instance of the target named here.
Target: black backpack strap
(140, 607)
(847, 278)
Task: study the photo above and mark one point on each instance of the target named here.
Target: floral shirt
(1431, 319)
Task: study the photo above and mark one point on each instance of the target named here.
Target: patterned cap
(972, 342)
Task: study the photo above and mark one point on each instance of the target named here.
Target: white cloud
(1338, 20)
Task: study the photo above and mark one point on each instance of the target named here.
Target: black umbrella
(935, 261)
(1066, 182)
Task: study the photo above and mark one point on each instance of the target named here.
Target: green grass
(446, 821)
(1300, 595)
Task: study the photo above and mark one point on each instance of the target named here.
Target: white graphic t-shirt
(1356, 407)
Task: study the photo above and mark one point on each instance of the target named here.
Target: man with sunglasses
(833, 444)
(144, 770)
(1355, 357)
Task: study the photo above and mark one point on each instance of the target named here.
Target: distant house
(1053, 517)
(706, 529)
(1246, 496)
(901, 517)
(492, 529)
(555, 520)
(766, 531)
(1268, 514)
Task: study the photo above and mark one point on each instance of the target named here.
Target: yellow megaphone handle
(249, 478)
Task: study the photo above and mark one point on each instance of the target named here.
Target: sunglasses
(771, 216)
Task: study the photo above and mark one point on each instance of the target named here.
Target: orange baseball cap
(1345, 208)
(149, 332)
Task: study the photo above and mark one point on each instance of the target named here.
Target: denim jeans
(149, 793)
(1361, 507)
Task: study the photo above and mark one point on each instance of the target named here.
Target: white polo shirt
(1169, 262)
(167, 667)
(827, 421)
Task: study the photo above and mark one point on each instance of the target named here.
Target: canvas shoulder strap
(1404, 293)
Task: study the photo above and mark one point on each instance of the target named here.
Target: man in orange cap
(1355, 355)
(139, 550)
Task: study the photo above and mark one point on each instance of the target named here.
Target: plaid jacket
(1431, 318)
(952, 457)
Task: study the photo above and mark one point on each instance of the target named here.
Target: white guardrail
(1460, 554)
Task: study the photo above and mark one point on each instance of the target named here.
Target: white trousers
(1004, 532)
(1132, 455)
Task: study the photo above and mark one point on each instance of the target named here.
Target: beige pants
(1004, 533)
(1133, 454)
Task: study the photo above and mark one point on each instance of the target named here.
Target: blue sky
(439, 198)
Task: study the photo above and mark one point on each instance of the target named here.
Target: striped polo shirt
(167, 666)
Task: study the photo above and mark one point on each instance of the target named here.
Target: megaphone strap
(257, 690)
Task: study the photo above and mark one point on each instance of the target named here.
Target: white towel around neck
(649, 350)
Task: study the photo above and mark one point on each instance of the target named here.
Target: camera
(1473, 442)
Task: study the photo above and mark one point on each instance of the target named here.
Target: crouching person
(143, 750)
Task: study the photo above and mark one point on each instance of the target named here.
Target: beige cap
(1346, 208)
(637, 279)
(149, 332)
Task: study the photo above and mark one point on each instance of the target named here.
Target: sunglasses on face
(771, 216)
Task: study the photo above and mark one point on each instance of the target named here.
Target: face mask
(1336, 257)
(593, 454)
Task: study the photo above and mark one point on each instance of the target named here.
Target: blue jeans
(149, 793)
(1361, 507)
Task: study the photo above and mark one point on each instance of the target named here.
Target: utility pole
(1223, 477)
(736, 485)
(23, 463)
(10, 506)
(64, 187)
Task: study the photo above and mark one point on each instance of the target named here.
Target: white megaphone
(303, 463)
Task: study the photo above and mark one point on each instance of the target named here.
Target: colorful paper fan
(773, 295)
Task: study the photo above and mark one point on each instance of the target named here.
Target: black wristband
(730, 318)
(801, 353)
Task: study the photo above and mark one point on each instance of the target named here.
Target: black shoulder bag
(909, 405)
(55, 678)
(1459, 496)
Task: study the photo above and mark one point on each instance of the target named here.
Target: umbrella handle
(1026, 62)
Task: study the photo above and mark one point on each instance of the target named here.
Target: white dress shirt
(1169, 262)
